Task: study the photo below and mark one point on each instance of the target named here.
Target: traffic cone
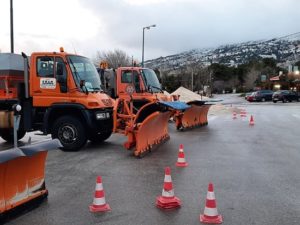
(234, 115)
(251, 123)
(168, 200)
(210, 214)
(99, 203)
(243, 113)
(181, 159)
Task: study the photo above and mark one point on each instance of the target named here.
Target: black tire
(263, 99)
(9, 135)
(99, 137)
(71, 133)
(274, 101)
(283, 100)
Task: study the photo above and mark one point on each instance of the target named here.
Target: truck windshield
(84, 71)
(151, 81)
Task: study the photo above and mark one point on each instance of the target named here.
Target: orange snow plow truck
(142, 86)
(61, 95)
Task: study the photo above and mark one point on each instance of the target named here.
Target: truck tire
(99, 137)
(71, 133)
(9, 136)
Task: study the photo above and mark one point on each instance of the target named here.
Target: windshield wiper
(158, 88)
(96, 89)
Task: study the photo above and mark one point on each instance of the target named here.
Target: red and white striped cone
(181, 162)
(210, 214)
(99, 203)
(168, 200)
(251, 122)
(234, 115)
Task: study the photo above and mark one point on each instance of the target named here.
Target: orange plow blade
(151, 132)
(22, 174)
(195, 116)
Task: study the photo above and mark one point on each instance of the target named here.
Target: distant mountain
(283, 49)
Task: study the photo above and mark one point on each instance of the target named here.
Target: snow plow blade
(151, 132)
(152, 120)
(194, 116)
(148, 127)
(22, 174)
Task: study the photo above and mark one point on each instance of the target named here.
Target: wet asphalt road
(255, 171)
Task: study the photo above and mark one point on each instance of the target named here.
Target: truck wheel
(9, 135)
(71, 133)
(99, 137)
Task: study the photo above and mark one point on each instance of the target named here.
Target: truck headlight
(102, 116)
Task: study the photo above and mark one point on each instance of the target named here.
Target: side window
(61, 74)
(136, 81)
(45, 66)
(60, 67)
(126, 76)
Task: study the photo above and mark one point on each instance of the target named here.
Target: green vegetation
(243, 78)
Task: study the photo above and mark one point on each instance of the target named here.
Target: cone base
(185, 164)
(251, 124)
(168, 203)
(102, 208)
(214, 220)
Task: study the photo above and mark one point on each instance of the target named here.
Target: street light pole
(11, 27)
(148, 28)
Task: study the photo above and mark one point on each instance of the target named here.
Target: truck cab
(61, 95)
(136, 83)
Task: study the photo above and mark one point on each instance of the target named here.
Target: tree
(170, 82)
(114, 58)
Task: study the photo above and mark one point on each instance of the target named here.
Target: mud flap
(22, 174)
(151, 132)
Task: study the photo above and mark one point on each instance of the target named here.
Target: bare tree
(251, 78)
(114, 58)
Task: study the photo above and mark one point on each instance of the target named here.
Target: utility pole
(192, 79)
(147, 28)
(11, 27)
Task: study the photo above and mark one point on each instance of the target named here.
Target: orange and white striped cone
(181, 162)
(99, 203)
(210, 214)
(251, 123)
(234, 115)
(168, 200)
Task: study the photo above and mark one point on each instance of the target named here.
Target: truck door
(129, 82)
(49, 81)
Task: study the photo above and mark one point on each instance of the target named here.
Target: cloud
(91, 25)
(49, 24)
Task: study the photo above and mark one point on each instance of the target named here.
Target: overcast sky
(88, 26)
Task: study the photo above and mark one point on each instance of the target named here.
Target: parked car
(250, 98)
(262, 95)
(248, 94)
(285, 96)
